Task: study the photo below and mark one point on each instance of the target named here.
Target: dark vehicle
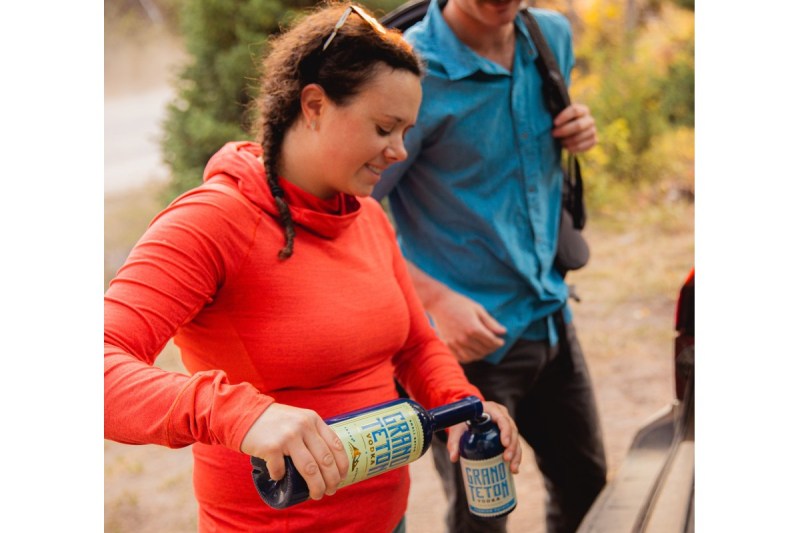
(654, 488)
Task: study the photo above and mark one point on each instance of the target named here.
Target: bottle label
(489, 486)
(380, 440)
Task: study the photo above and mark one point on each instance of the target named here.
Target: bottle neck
(454, 413)
(481, 423)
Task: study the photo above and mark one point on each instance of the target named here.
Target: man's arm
(464, 325)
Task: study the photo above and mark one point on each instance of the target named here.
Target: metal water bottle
(377, 439)
(488, 482)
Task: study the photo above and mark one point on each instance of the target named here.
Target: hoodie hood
(239, 162)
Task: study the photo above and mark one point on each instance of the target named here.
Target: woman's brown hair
(296, 59)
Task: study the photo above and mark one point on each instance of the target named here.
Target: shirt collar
(440, 46)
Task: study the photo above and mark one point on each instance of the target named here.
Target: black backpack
(573, 251)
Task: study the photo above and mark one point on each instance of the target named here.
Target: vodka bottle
(377, 439)
(487, 477)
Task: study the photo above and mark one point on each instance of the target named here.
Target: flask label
(380, 440)
(489, 486)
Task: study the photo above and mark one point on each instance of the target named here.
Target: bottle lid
(455, 413)
(481, 420)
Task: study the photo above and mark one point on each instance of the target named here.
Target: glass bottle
(488, 481)
(376, 439)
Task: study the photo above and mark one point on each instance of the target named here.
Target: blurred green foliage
(638, 80)
(129, 16)
(635, 70)
(226, 41)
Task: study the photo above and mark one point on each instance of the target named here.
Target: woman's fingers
(509, 434)
(315, 449)
(308, 467)
(276, 465)
(327, 456)
(335, 444)
(453, 440)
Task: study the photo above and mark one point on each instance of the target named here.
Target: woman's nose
(396, 151)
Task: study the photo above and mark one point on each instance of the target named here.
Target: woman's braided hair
(296, 59)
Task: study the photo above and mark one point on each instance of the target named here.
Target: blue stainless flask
(488, 482)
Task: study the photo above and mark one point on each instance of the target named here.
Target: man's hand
(301, 434)
(465, 326)
(575, 128)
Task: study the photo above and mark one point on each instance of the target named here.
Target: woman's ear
(312, 102)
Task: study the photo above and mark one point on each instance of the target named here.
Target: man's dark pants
(549, 394)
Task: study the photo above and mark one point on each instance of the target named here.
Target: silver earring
(314, 125)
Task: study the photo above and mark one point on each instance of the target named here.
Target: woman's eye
(382, 132)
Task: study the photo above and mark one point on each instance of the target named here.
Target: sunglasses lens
(377, 26)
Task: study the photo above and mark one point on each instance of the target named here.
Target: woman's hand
(509, 435)
(301, 434)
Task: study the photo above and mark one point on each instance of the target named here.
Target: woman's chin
(363, 192)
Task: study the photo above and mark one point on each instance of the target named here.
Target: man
(477, 207)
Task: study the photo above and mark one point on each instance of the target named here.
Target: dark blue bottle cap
(480, 421)
(456, 412)
(289, 490)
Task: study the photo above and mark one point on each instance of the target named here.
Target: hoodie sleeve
(424, 366)
(170, 275)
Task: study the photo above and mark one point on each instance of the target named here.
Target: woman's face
(360, 139)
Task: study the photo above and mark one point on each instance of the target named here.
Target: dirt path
(138, 71)
(131, 150)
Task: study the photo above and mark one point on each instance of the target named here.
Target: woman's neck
(296, 166)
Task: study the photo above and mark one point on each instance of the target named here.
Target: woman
(286, 294)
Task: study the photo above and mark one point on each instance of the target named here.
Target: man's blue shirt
(477, 203)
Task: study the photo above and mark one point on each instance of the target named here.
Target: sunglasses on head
(369, 19)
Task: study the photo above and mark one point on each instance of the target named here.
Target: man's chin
(498, 2)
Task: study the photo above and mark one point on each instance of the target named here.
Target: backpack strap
(407, 14)
(556, 99)
(554, 89)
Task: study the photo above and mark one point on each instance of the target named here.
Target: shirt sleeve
(424, 366)
(170, 275)
(558, 32)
